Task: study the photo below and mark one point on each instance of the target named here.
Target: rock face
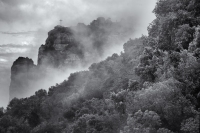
(65, 47)
(23, 72)
(61, 49)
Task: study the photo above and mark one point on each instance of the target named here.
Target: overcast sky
(24, 24)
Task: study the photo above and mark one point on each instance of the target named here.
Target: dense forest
(151, 87)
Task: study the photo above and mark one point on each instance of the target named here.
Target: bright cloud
(3, 60)
(6, 50)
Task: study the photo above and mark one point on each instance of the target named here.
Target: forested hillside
(151, 87)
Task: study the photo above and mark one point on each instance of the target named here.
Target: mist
(20, 16)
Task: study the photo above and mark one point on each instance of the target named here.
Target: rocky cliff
(81, 44)
(23, 74)
(60, 49)
(65, 48)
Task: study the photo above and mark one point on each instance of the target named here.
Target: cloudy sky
(24, 25)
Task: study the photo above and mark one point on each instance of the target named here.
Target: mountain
(65, 48)
(69, 46)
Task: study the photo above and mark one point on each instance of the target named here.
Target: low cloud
(27, 22)
(18, 33)
(15, 48)
(12, 50)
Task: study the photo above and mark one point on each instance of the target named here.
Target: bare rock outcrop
(23, 74)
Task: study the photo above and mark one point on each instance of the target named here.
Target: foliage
(142, 122)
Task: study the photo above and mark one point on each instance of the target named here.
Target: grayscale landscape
(99, 66)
